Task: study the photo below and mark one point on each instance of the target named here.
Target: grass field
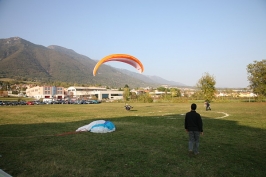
(149, 141)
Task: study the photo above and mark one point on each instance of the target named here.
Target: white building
(89, 92)
(52, 92)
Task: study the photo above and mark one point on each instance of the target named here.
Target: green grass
(149, 141)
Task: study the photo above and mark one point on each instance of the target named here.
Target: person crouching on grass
(194, 127)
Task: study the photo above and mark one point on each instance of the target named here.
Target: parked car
(22, 103)
(70, 102)
(2, 103)
(8, 103)
(83, 102)
(30, 103)
(92, 102)
(36, 102)
(13, 103)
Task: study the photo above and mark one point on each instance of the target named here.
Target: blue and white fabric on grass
(98, 126)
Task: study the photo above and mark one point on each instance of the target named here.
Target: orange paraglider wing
(121, 58)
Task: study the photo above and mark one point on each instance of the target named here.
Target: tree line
(206, 86)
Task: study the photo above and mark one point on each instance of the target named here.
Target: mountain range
(21, 59)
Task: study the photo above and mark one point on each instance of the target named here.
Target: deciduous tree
(126, 93)
(175, 92)
(206, 84)
(257, 77)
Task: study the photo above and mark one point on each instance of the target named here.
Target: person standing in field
(194, 127)
(208, 106)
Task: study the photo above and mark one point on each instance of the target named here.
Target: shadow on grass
(141, 146)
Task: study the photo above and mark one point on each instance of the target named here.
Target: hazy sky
(176, 40)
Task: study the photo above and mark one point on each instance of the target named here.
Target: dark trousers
(193, 144)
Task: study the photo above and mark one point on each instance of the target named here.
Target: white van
(47, 100)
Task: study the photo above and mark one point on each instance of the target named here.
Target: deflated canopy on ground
(98, 126)
(121, 58)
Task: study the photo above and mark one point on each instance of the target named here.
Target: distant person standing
(208, 106)
(194, 127)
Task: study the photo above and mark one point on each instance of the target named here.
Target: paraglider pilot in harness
(128, 107)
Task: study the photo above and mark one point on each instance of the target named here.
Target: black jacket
(193, 121)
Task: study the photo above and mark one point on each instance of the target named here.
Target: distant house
(247, 95)
(138, 92)
(3, 93)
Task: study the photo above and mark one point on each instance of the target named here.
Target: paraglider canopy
(121, 58)
(98, 126)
